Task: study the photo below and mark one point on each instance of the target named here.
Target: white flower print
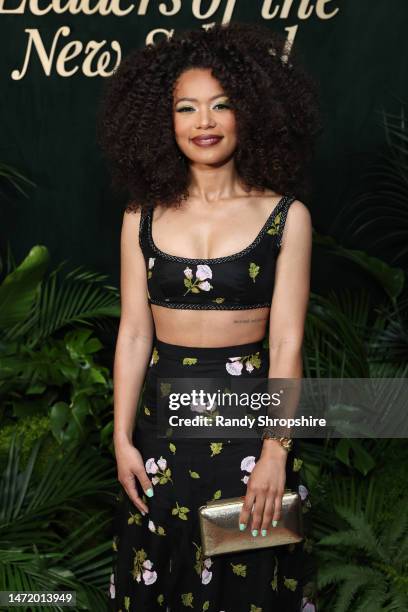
(234, 368)
(162, 463)
(248, 463)
(207, 562)
(205, 286)
(149, 577)
(308, 606)
(206, 576)
(151, 262)
(203, 272)
(151, 526)
(188, 273)
(235, 364)
(151, 466)
(155, 480)
(245, 479)
(112, 586)
(201, 407)
(201, 283)
(303, 492)
(147, 564)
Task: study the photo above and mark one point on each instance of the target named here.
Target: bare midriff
(210, 328)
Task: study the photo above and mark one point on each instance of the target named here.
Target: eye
(184, 108)
(223, 105)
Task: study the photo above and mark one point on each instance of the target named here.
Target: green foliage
(52, 534)
(49, 365)
(59, 379)
(367, 564)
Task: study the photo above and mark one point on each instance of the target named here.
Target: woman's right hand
(130, 464)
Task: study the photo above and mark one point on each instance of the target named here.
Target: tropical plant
(48, 362)
(368, 564)
(53, 534)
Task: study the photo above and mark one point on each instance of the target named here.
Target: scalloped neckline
(213, 260)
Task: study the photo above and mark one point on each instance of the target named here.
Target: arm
(266, 484)
(132, 353)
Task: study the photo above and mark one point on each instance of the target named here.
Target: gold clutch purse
(220, 533)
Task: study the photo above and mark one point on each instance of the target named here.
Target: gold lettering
(65, 56)
(151, 35)
(18, 10)
(320, 10)
(34, 38)
(172, 11)
(214, 6)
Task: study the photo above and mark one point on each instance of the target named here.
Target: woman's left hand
(265, 488)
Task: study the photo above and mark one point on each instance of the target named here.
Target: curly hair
(275, 103)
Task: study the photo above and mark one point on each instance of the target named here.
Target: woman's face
(204, 121)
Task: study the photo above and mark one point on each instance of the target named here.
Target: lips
(207, 141)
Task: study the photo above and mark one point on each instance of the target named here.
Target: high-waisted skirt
(158, 562)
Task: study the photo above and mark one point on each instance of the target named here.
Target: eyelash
(183, 108)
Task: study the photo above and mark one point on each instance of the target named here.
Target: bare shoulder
(298, 225)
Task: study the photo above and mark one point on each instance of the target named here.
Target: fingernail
(254, 532)
(274, 523)
(149, 492)
(242, 526)
(263, 532)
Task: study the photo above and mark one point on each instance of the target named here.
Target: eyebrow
(195, 99)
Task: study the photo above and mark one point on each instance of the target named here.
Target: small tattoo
(249, 320)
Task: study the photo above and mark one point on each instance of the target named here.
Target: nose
(205, 119)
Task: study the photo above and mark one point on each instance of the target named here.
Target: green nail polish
(149, 492)
(254, 532)
(263, 532)
(242, 526)
(274, 523)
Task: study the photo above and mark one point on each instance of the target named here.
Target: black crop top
(233, 282)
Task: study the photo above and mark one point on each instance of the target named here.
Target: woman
(210, 133)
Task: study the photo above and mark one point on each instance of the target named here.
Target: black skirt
(158, 564)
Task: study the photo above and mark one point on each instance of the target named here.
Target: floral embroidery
(201, 407)
(297, 464)
(217, 494)
(219, 300)
(187, 599)
(160, 599)
(239, 569)
(274, 229)
(255, 608)
(304, 496)
(142, 568)
(155, 357)
(203, 273)
(126, 603)
(290, 583)
(112, 586)
(236, 364)
(216, 448)
(202, 565)
(160, 468)
(180, 511)
(135, 519)
(150, 266)
(165, 389)
(308, 606)
(146, 410)
(247, 465)
(194, 474)
(172, 447)
(190, 360)
(159, 530)
(253, 270)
